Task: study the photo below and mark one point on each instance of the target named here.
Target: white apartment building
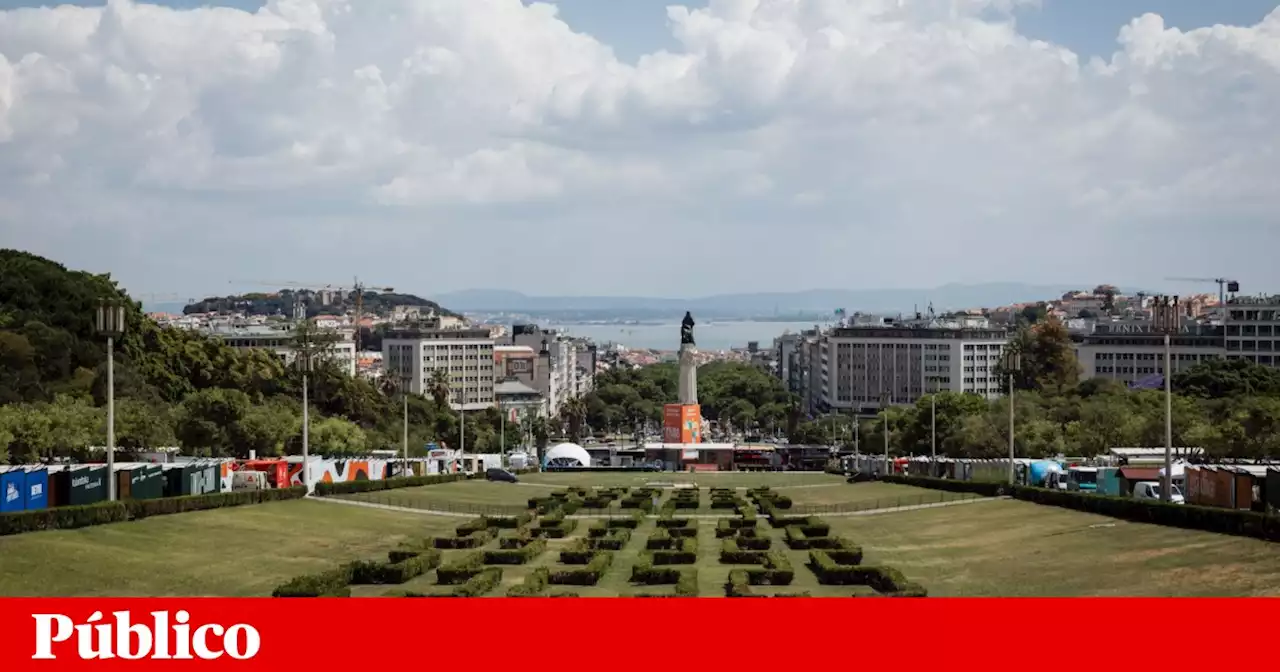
(1253, 329)
(464, 355)
(858, 366)
(280, 341)
(566, 366)
(1130, 351)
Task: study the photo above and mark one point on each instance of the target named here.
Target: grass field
(245, 550)
(1013, 548)
(1005, 548)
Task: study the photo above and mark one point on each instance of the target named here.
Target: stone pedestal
(688, 380)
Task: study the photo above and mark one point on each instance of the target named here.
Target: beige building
(859, 365)
(279, 340)
(464, 355)
(1130, 351)
(1253, 329)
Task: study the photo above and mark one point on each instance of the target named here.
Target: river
(709, 335)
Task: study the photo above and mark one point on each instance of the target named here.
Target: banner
(387, 633)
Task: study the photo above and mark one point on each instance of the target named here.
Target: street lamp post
(933, 428)
(1012, 365)
(110, 323)
(884, 426)
(304, 364)
(1166, 320)
(404, 447)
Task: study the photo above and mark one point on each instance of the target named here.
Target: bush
(884, 580)
(372, 572)
(73, 517)
(612, 540)
(739, 585)
(333, 583)
(586, 576)
(580, 552)
(668, 523)
(534, 584)
(557, 530)
(459, 543)
(733, 554)
(516, 556)
(1209, 519)
(683, 552)
(460, 570)
(412, 548)
(683, 532)
(350, 487)
(484, 581)
(471, 527)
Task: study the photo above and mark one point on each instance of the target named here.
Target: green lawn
(997, 548)
(239, 551)
(727, 479)
(1012, 548)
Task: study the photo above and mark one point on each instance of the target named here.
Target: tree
(573, 412)
(1227, 378)
(268, 429)
(438, 387)
(1048, 360)
(337, 436)
(208, 421)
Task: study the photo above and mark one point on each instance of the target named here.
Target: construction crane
(359, 289)
(1225, 286)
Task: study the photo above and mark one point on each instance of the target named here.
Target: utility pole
(884, 426)
(933, 429)
(405, 446)
(1012, 364)
(1167, 320)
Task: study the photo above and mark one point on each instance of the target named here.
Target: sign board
(690, 453)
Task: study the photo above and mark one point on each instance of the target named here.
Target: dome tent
(567, 455)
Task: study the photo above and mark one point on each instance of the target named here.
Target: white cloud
(444, 144)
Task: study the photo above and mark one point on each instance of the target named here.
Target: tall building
(566, 366)
(858, 366)
(1253, 329)
(464, 356)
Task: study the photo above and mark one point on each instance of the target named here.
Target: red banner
(625, 634)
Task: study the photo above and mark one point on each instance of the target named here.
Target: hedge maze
(653, 543)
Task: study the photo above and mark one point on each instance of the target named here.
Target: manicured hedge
(585, 576)
(412, 548)
(372, 572)
(686, 585)
(72, 517)
(350, 487)
(682, 552)
(580, 552)
(461, 569)
(1206, 518)
(605, 538)
(516, 556)
(731, 553)
(484, 581)
(669, 522)
(884, 580)
(333, 583)
(739, 585)
(534, 584)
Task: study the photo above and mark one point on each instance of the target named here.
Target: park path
(695, 516)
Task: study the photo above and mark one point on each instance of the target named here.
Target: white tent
(568, 455)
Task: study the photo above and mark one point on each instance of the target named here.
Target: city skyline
(642, 151)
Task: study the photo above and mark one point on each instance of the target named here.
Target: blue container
(12, 485)
(37, 489)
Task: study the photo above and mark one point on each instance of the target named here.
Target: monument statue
(686, 329)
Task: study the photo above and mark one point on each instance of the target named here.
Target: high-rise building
(464, 357)
(1253, 329)
(566, 365)
(279, 340)
(1129, 351)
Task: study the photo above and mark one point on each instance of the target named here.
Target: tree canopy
(180, 388)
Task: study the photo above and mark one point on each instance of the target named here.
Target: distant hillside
(282, 302)
(824, 301)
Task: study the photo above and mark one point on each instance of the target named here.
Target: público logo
(164, 638)
(11, 493)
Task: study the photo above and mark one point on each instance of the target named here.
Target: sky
(633, 148)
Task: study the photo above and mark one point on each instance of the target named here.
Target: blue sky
(1087, 27)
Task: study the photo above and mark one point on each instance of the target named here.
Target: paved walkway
(695, 516)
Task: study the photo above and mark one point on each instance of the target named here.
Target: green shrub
(460, 570)
(580, 552)
(459, 543)
(558, 530)
(732, 554)
(534, 584)
(350, 487)
(669, 523)
(482, 582)
(411, 548)
(513, 540)
(516, 556)
(884, 580)
(613, 541)
(683, 532)
(740, 582)
(683, 552)
(471, 527)
(101, 513)
(586, 576)
(333, 583)
(373, 572)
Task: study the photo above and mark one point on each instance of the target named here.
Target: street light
(304, 364)
(404, 394)
(884, 426)
(933, 426)
(1166, 320)
(110, 323)
(1012, 364)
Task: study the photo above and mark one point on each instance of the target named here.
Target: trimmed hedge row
(580, 552)
(605, 538)
(686, 585)
(372, 572)
(72, 517)
(739, 585)
(555, 526)
(333, 583)
(461, 569)
(586, 576)
(884, 580)
(731, 553)
(352, 487)
(412, 548)
(534, 584)
(484, 581)
(411, 559)
(1188, 516)
(516, 556)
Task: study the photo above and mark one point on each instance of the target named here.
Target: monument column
(682, 421)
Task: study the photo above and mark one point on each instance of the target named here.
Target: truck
(1082, 479)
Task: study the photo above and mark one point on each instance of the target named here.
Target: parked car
(502, 475)
(1151, 490)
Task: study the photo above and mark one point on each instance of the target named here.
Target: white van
(1151, 490)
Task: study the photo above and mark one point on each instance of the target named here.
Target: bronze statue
(686, 329)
